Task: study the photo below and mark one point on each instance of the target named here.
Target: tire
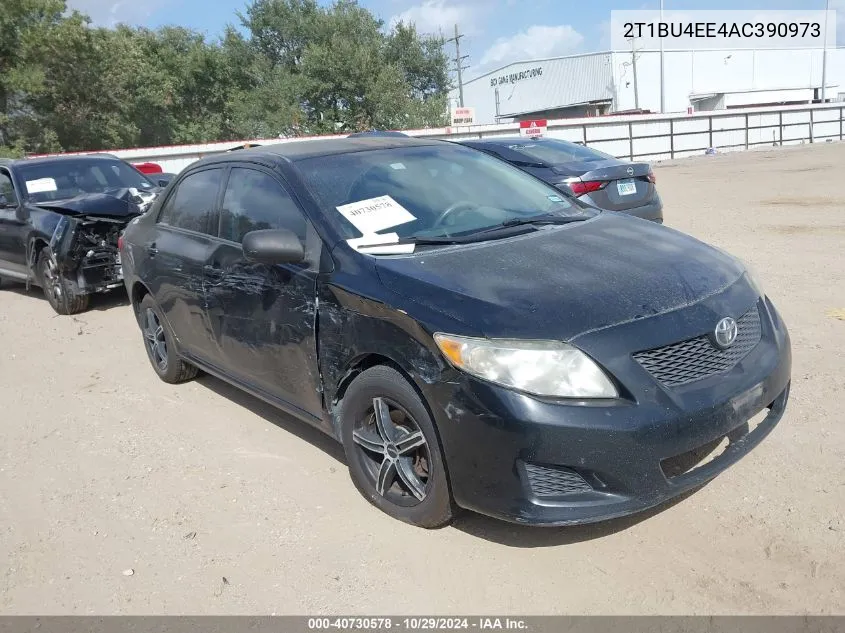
(393, 474)
(58, 294)
(158, 342)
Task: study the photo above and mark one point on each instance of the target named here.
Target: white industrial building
(604, 83)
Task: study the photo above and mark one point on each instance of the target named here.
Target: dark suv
(474, 338)
(60, 219)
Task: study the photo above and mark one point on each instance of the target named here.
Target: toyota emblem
(725, 332)
(630, 171)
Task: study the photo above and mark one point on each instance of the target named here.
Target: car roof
(294, 151)
(505, 140)
(41, 160)
(393, 133)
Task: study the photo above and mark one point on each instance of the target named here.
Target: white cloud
(112, 12)
(535, 42)
(436, 16)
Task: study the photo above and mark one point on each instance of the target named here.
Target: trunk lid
(625, 185)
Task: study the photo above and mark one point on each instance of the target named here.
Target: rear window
(555, 152)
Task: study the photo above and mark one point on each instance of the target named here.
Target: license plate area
(626, 187)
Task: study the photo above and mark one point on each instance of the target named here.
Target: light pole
(662, 89)
(824, 53)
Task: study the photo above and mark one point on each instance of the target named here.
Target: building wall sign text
(512, 78)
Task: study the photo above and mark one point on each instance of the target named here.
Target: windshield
(555, 152)
(432, 191)
(67, 178)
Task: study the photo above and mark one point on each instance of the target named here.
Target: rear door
(262, 317)
(12, 229)
(182, 240)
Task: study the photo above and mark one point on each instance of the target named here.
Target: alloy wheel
(155, 339)
(394, 453)
(52, 280)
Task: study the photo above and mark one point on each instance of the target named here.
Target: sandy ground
(222, 505)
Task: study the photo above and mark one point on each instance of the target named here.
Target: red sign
(533, 128)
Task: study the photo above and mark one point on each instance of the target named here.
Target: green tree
(24, 24)
(299, 68)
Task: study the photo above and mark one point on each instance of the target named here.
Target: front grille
(554, 481)
(685, 362)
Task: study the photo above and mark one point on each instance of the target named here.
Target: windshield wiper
(536, 220)
(508, 228)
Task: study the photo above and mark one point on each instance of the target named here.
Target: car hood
(122, 203)
(565, 280)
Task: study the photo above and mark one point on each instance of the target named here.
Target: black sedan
(473, 338)
(597, 179)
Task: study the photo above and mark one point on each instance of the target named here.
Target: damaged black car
(60, 221)
(473, 338)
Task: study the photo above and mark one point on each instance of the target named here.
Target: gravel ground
(121, 494)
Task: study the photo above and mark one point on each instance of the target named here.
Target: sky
(496, 32)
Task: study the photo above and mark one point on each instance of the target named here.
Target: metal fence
(648, 137)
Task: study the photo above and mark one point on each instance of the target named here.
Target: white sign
(463, 116)
(41, 185)
(534, 128)
(375, 214)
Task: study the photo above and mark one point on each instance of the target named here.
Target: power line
(459, 67)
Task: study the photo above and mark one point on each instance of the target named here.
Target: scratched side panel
(262, 323)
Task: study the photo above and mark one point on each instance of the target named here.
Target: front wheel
(56, 290)
(392, 449)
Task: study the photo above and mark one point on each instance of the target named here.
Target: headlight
(543, 368)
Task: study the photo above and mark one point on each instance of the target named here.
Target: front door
(12, 230)
(182, 240)
(263, 317)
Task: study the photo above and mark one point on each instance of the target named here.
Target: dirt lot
(222, 505)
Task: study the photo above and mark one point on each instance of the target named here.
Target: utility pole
(662, 85)
(824, 53)
(459, 61)
(634, 65)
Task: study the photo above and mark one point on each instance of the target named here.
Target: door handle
(152, 251)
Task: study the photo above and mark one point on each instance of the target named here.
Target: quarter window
(191, 206)
(255, 201)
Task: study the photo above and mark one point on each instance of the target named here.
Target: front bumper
(625, 457)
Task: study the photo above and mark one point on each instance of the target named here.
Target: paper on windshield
(41, 185)
(380, 244)
(375, 214)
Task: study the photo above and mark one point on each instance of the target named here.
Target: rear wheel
(158, 342)
(57, 292)
(393, 451)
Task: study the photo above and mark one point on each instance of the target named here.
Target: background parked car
(60, 220)
(597, 179)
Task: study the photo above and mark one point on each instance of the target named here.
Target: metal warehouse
(619, 81)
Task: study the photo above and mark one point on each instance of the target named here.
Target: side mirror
(273, 246)
(163, 182)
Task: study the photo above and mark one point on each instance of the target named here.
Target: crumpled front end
(85, 240)
(86, 253)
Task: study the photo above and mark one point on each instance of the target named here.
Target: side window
(255, 201)
(191, 206)
(7, 191)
